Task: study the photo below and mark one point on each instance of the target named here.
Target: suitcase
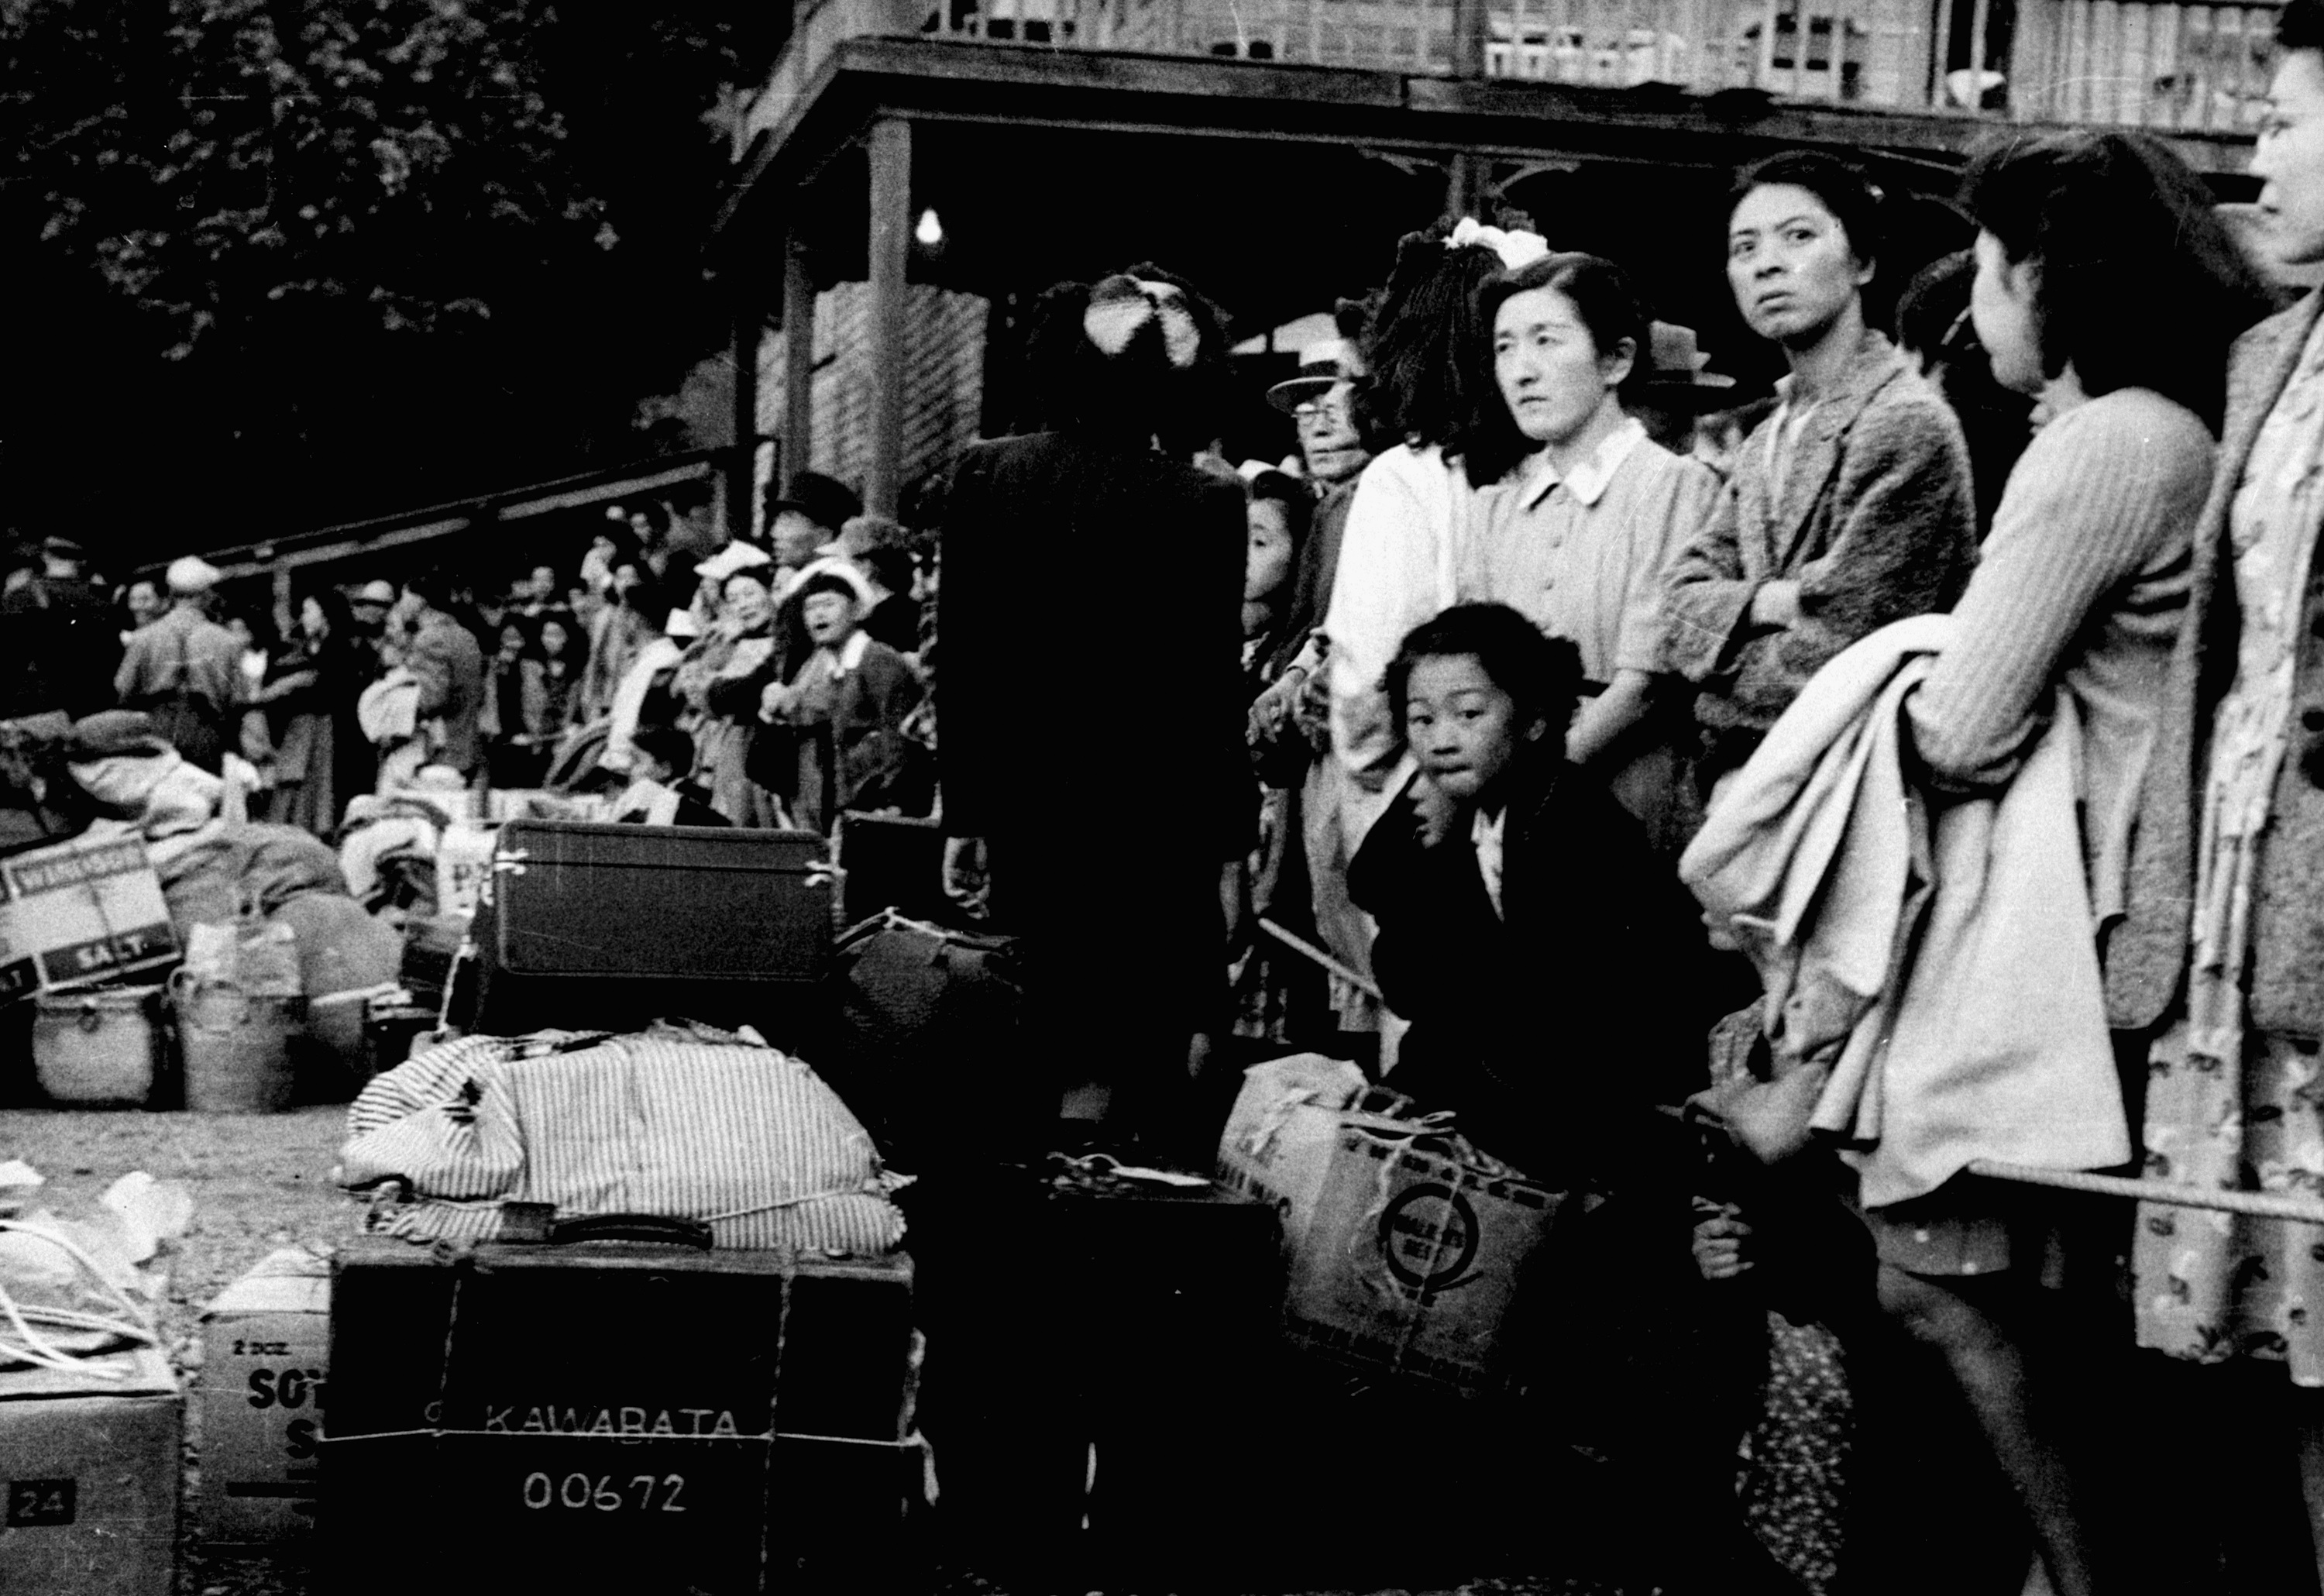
(617, 1415)
(921, 1037)
(590, 926)
(893, 861)
(1101, 1386)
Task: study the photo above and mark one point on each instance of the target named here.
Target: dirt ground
(264, 1182)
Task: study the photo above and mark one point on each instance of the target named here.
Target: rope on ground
(2257, 1204)
(1362, 982)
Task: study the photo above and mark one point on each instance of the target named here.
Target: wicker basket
(236, 1045)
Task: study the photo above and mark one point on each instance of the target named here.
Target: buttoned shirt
(1584, 555)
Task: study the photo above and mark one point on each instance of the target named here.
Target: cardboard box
(1403, 1258)
(1280, 1140)
(1411, 1260)
(89, 1470)
(80, 913)
(756, 1418)
(265, 1352)
(464, 861)
(527, 803)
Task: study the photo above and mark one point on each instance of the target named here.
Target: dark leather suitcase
(589, 927)
(893, 861)
(918, 1036)
(1101, 1360)
(617, 1415)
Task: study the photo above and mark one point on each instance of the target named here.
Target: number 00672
(641, 1493)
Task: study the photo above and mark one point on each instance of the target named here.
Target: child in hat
(861, 689)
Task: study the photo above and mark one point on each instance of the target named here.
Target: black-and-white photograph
(1162, 797)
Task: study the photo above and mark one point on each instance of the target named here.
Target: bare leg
(1989, 1367)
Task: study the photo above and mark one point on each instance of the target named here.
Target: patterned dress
(2228, 1105)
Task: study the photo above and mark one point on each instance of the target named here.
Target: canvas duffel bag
(743, 1139)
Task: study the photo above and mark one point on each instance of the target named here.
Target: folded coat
(1941, 950)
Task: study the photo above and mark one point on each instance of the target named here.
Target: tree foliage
(303, 260)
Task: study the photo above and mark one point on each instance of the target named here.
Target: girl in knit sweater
(2105, 287)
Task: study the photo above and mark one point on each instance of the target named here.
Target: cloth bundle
(1940, 951)
(743, 1138)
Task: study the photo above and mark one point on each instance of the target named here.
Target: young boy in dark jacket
(1546, 963)
(1555, 979)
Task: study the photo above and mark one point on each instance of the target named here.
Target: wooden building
(920, 169)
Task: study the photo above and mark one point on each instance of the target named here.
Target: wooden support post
(797, 453)
(1470, 28)
(890, 251)
(1468, 187)
(742, 469)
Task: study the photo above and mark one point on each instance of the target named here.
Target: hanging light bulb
(930, 231)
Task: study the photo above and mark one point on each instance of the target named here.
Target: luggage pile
(634, 1291)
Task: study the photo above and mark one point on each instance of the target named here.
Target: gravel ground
(261, 1183)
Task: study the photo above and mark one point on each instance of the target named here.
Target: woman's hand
(1719, 1241)
(1776, 604)
(1433, 811)
(1272, 709)
(777, 702)
(967, 879)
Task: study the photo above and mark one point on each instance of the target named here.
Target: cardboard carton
(265, 1352)
(88, 1467)
(1412, 1258)
(1404, 1259)
(1280, 1140)
(80, 913)
(464, 859)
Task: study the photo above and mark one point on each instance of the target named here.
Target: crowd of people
(1964, 681)
(1914, 763)
(751, 687)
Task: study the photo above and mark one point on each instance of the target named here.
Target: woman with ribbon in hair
(1417, 402)
(1101, 793)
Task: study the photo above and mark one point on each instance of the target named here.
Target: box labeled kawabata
(266, 1343)
(88, 1477)
(80, 913)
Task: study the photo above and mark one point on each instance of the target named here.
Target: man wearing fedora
(60, 646)
(1677, 388)
(806, 515)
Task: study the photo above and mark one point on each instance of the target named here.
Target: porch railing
(2171, 66)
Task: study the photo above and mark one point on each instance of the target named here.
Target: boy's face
(1462, 728)
(829, 617)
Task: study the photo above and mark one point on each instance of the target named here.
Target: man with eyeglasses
(1334, 455)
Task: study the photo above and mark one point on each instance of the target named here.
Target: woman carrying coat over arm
(1851, 506)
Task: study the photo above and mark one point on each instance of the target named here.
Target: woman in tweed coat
(1851, 506)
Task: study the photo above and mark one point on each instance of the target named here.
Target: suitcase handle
(631, 1227)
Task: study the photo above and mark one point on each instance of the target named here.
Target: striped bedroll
(744, 1138)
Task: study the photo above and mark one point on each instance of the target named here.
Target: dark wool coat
(2147, 953)
(1093, 615)
(1874, 520)
(1092, 703)
(1552, 1028)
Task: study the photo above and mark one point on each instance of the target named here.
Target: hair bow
(1120, 306)
(1516, 248)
